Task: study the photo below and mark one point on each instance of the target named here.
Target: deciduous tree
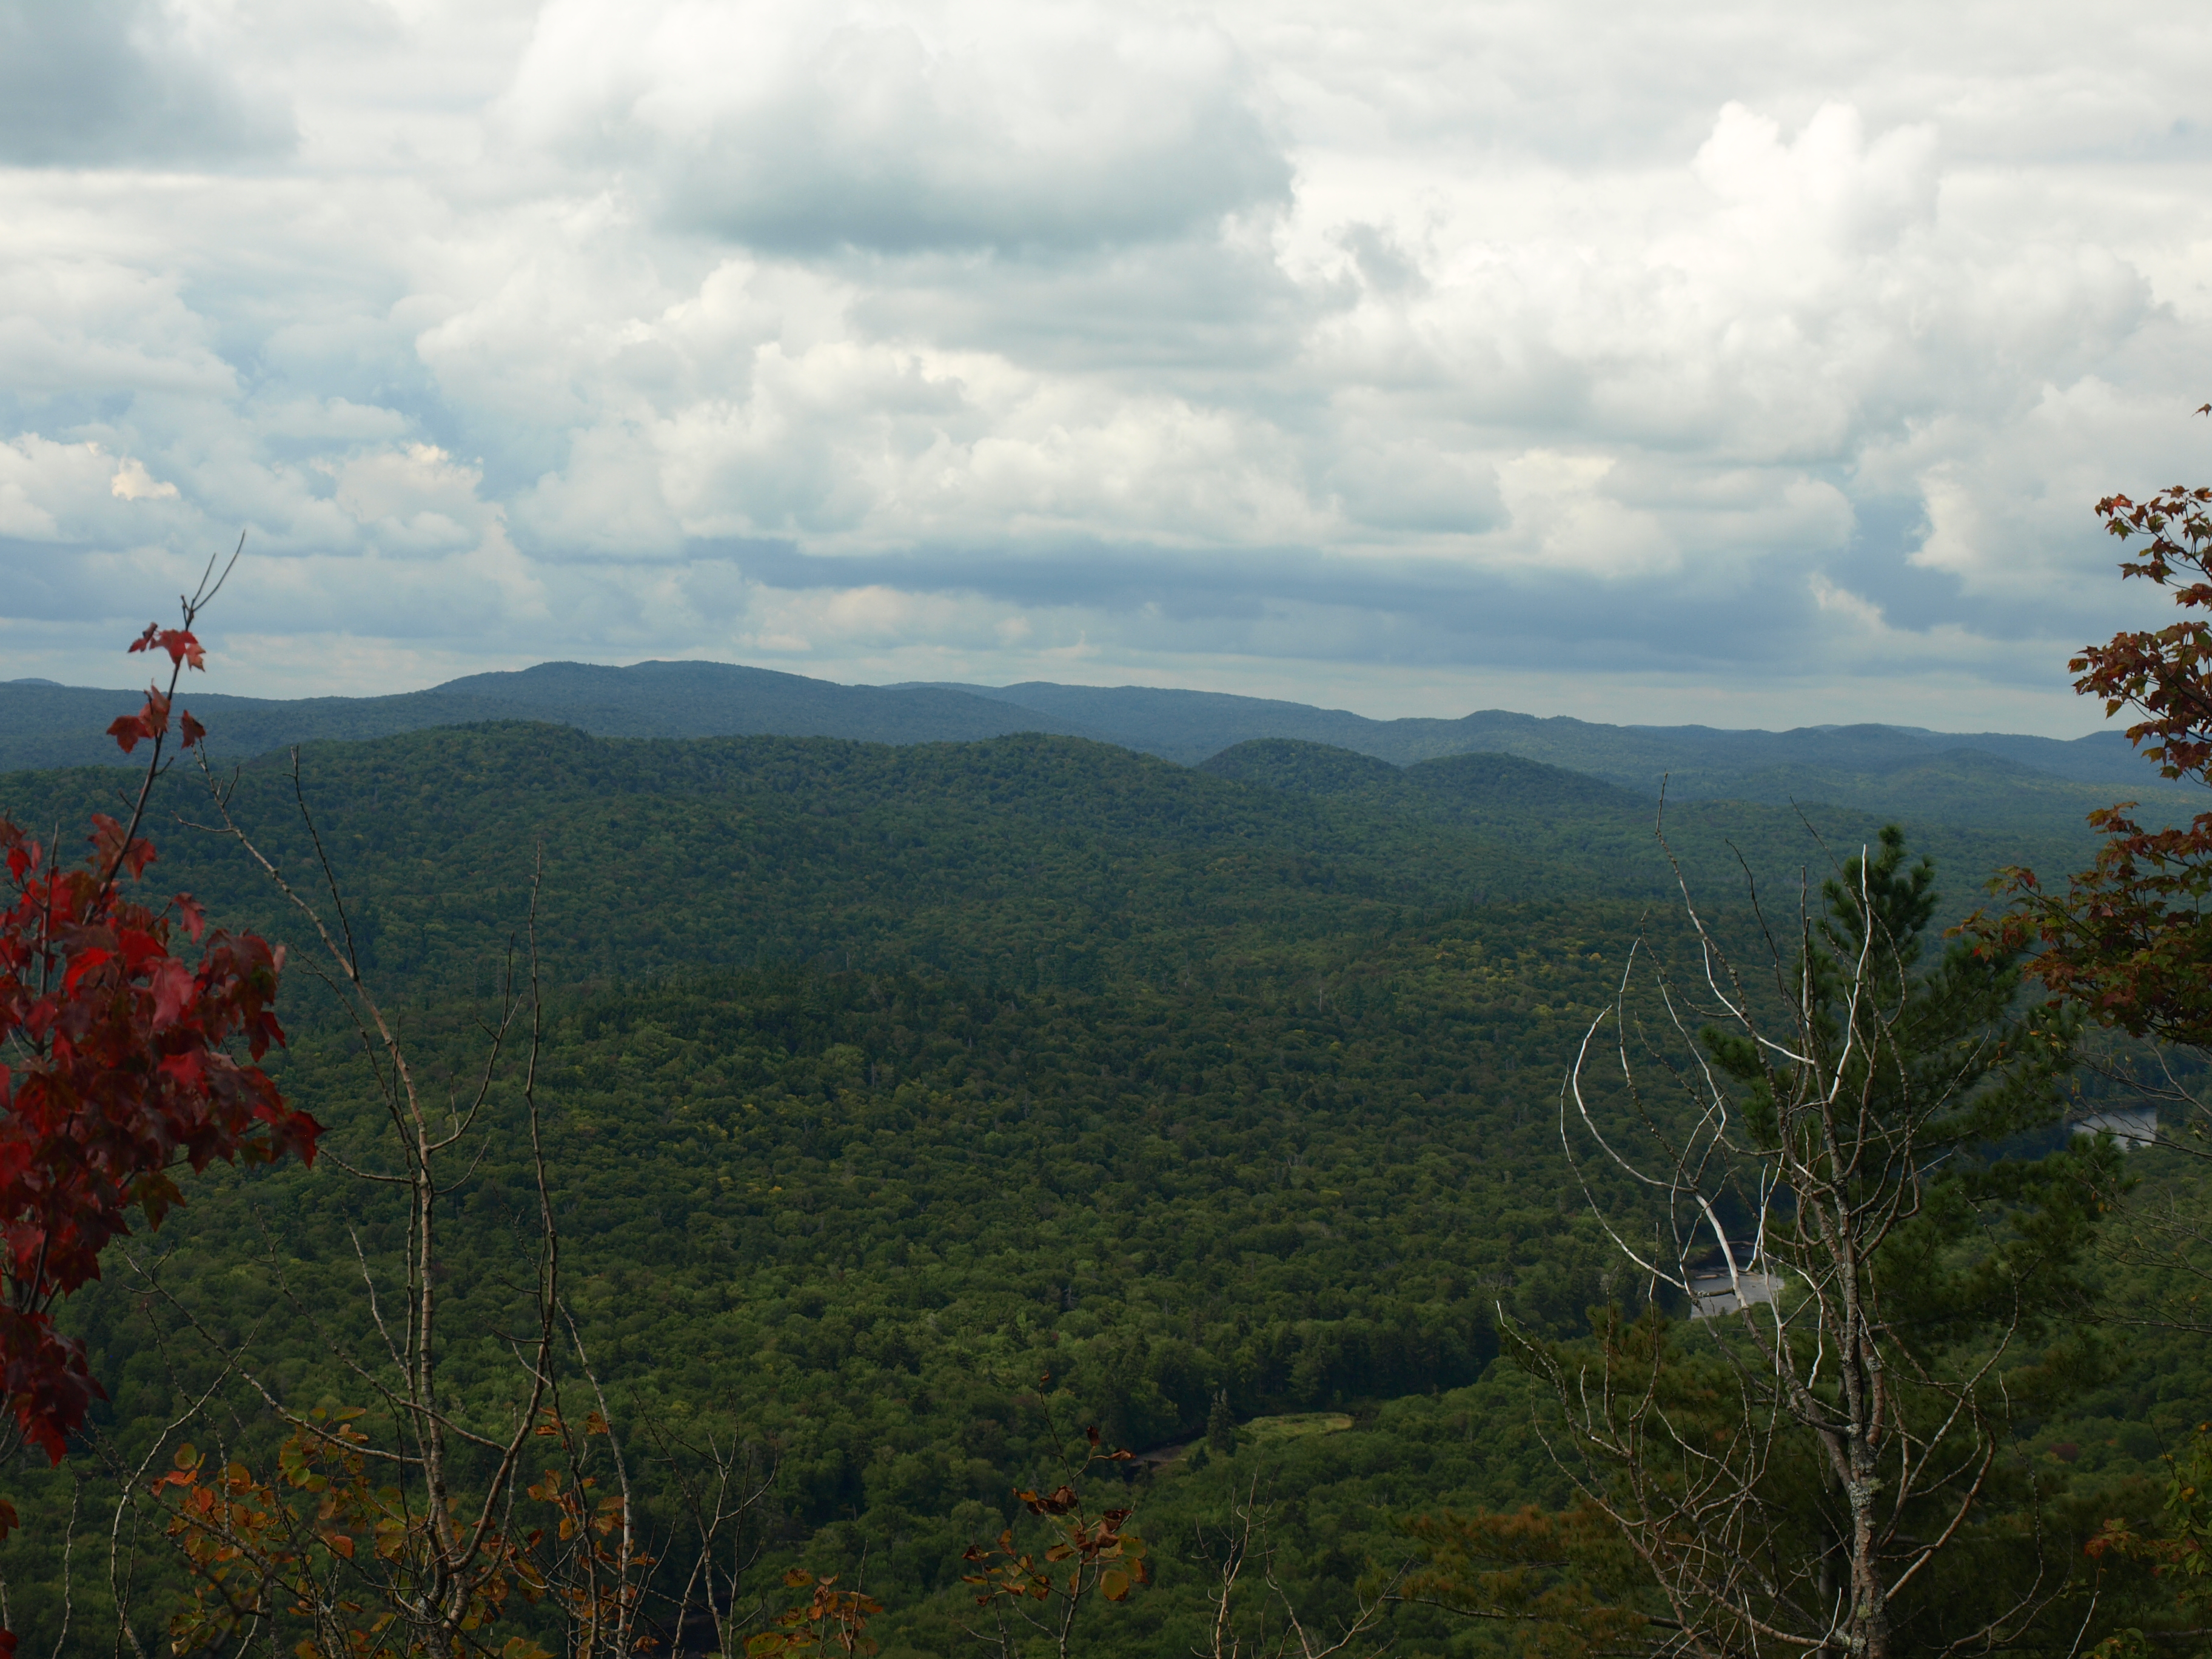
(2129, 938)
(120, 1019)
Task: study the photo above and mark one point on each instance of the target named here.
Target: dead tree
(413, 1521)
(1790, 1466)
(1263, 1622)
(430, 1518)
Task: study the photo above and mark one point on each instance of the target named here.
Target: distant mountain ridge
(44, 725)
(1904, 769)
(1188, 725)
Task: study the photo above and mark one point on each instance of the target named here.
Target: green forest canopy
(884, 1081)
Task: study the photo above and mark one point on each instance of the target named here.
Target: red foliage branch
(1087, 1552)
(2130, 938)
(2166, 675)
(116, 1068)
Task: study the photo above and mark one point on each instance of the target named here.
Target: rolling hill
(1964, 779)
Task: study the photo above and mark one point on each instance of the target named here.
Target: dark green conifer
(1221, 1427)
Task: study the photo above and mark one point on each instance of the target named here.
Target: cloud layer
(1404, 357)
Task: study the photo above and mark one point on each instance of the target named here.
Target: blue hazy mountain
(1907, 769)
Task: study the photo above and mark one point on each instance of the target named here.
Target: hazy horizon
(1418, 714)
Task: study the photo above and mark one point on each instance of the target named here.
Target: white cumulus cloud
(1368, 352)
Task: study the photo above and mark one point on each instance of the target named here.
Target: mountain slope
(2038, 783)
(1480, 782)
(1700, 760)
(44, 725)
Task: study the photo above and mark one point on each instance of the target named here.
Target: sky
(1751, 365)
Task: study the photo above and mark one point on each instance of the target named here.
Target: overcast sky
(1755, 365)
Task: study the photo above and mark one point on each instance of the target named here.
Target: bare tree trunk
(450, 1554)
(1817, 1112)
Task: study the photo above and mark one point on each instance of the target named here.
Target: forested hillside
(901, 1100)
(2038, 783)
(1026, 859)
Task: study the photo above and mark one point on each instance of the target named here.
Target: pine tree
(1221, 1427)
